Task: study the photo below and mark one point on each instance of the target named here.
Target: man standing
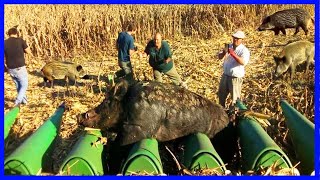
(235, 59)
(160, 60)
(14, 49)
(125, 47)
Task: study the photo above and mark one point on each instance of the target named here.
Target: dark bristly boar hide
(289, 18)
(155, 110)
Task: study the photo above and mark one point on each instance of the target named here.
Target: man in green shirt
(160, 60)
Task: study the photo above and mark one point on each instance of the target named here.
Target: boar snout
(89, 119)
(276, 75)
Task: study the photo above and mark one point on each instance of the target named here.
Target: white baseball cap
(239, 34)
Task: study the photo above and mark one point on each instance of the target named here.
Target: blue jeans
(20, 78)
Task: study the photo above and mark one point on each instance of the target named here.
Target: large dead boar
(152, 109)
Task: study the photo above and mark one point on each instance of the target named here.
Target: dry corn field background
(86, 34)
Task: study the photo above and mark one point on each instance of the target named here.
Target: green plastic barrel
(34, 154)
(9, 119)
(301, 131)
(143, 158)
(258, 150)
(85, 157)
(200, 154)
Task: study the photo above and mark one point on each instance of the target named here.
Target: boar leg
(297, 30)
(308, 63)
(293, 70)
(46, 79)
(67, 83)
(276, 31)
(283, 31)
(305, 29)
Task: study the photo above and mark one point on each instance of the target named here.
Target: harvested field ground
(196, 61)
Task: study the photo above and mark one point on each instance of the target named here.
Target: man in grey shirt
(235, 59)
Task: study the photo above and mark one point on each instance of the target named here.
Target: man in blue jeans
(14, 49)
(125, 47)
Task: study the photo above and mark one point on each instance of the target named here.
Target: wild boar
(62, 70)
(292, 55)
(289, 18)
(157, 110)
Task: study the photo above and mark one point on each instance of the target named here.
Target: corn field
(86, 34)
(66, 30)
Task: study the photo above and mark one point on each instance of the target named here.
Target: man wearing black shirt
(14, 49)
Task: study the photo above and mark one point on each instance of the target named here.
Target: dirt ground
(196, 61)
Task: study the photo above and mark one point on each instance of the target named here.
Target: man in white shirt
(235, 59)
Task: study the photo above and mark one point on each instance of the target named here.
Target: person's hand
(167, 60)
(231, 52)
(142, 55)
(221, 54)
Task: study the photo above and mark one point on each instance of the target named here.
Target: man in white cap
(235, 58)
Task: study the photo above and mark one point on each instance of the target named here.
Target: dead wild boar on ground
(155, 110)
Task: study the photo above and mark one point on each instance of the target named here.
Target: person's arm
(5, 66)
(168, 53)
(239, 59)
(28, 51)
(117, 46)
(117, 42)
(222, 54)
(26, 48)
(146, 51)
(131, 46)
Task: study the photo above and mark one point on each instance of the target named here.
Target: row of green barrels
(257, 148)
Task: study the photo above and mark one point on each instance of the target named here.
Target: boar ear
(279, 59)
(284, 59)
(266, 20)
(120, 90)
(79, 68)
